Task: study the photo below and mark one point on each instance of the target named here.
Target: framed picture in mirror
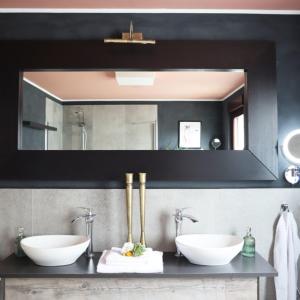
(189, 135)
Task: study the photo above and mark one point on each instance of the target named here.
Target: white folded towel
(134, 266)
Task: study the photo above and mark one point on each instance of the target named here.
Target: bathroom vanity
(104, 167)
(22, 279)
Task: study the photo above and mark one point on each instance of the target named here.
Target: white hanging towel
(286, 253)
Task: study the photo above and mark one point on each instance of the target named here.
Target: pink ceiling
(192, 85)
(172, 4)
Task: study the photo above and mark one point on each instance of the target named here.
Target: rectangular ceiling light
(135, 78)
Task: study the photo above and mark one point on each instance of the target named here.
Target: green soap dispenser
(249, 244)
(18, 249)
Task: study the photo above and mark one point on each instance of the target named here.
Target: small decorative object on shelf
(215, 143)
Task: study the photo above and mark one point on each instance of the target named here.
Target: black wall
(169, 114)
(284, 30)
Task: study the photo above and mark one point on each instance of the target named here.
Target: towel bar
(284, 207)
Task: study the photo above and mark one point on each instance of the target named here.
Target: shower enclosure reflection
(106, 127)
(133, 110)
(81, 124)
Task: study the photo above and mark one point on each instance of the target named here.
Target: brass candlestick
(129, 180)
(142, 177)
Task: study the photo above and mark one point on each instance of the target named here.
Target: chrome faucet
(89, 220)
(179, 216)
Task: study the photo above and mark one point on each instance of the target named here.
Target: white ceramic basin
(55, 250)
(209, 249)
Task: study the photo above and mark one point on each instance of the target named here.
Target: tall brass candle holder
(142, 177)
(129, 181)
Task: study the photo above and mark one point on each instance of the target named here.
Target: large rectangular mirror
(194, 101)
(133, 110)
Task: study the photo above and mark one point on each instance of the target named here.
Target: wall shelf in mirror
(98, 167)
(38, 126)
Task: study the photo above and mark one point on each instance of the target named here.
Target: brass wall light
(130, 37)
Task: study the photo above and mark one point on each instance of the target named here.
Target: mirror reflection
(107, 110)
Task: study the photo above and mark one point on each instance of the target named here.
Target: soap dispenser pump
(249, 244)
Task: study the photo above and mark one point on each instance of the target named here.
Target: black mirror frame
(105, 169)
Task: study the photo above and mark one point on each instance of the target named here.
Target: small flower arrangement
(133, 249)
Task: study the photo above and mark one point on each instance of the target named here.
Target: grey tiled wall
(219, 211)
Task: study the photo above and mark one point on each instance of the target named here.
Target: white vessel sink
(209, 249)
(55, 250)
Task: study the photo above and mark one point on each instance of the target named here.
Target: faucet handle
(180, 210)
(87, 210)
(77, 218)
(179, 215)
(88, 216)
